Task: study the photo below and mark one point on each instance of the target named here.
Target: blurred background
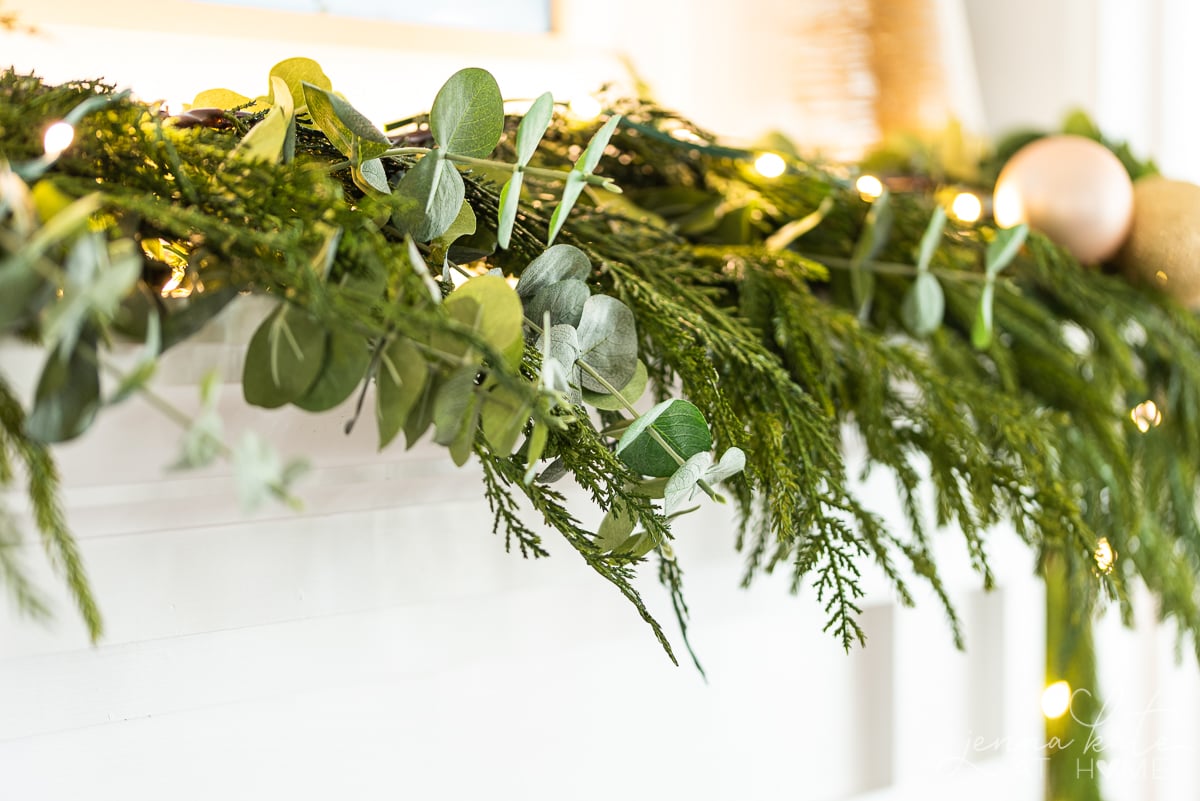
(384, 646)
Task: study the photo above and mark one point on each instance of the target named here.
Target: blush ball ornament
(1073, 190)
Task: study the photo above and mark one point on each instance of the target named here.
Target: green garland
(783, 310)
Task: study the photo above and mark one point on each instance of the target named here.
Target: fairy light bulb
(770, 165)
(1007, 208)
(869, 187)
(967, 207)
(1105, 556)
(1056, 700)
(1146, 415)
(58, 137)
(585, 107)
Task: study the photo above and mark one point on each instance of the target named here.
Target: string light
(770, 165)
(869, 187)
(1056, 700)
(1105, 556)
(1007, 208)
(967, 207)
(58, 138)
(585, 107)
(1146, 415)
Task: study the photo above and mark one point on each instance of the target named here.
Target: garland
(982, 362)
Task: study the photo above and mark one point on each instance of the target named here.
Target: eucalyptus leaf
(636, 546)
(574, 185)
(371, 177)
(559, 345)
(924, 305)
(533, 127)
(681, 486)
(678, 423)
(99, 276)
(355, 136)
(491, 307)
(226, 99)
(467, 117)
(557, 263)
(510, 201)
(345, 364)
(595, 148)
(284, 357)
(564, 301)
(503, 416)
(431, 208)
(417, 262)
(295, 72)
(421, 417)
(402, 377)
(607, 342)
(464, 225)
(261, 474)
(455, 401)
(1004, 248)
(629, 394)
(614, 529)
(68, 393)
(981, 330)
(876, 229)
(534, 449)
(266, 140)
(931, 239)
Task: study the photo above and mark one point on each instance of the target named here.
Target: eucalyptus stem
(890, 268)
(470, 161)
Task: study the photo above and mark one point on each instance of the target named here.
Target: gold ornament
(1163, 248)
(1073, 190)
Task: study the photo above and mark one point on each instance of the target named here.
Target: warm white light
(1105, 555)
(1056, 700)
(967, 207)
(1007, 208)
(869, 187)
(770, 165)
(58, 138)
(1146, 416)
(585, 107)
(689, 136)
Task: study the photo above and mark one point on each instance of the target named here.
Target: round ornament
(1163, 248)
(1073, 190)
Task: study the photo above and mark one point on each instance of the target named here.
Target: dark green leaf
(403, 374)
(284, 358)
(421, 417)
(68, 393)
(345, 363)
(676, 422)
(467, 117)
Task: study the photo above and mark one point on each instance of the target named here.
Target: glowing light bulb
(585, 107)
(1056, 700)
(967, 207)
(1146, 415)
(1007, 208)
(58, 138)
(1105, 555)
(869, 187)
(770, 165)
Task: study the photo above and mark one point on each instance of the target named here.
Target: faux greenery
(766, 318)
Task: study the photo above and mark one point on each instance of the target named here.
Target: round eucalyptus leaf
(678, 423)
(346, 360)
(607, 342)
(924, 305)
(557, 263)
(490, 306)
(431, 195)
(630, 392)
(284, 358)
(68, 393)
(564, 300)
(402, 376)
(467, 117)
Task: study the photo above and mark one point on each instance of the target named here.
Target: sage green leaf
(455, 400)
(595, 148)
(371, 178)
(557, 263)
(607, 342)
(790, 232)
(68, 393)
(98, 277)
(533, 127)
(491, 307)
(417, 262)
(22, 289)
(266, 140)
(203, 439)
(402, 377)
(284, 357)
(421, 417)
(631, 392)
(636, 546)
(681, 486)
(559, 345)
(202, 307)
(876, 229)
(510, 201)
(679, 424)
(931, 239)
(614, 529)
(732, 462)
(345, 364)
(536, 446)
(564, 301)
(22, 293)
(1004, 248)
(430, 209)
(355, 136)
(295, 72)
(981, 330)
(571, 190)
(464, 225)
(924, 305)
(147, 363)
(503, 416)
(467, 117)
(261, 474)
